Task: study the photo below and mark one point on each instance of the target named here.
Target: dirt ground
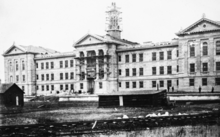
(45, 112)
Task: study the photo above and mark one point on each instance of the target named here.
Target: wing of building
(108, 63)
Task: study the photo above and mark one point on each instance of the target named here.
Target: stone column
(105, 68)
(85, 65)
(97, 65)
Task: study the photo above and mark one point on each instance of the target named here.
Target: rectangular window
(204, 67)
(192, 51)
(154, 56)
(100, 85)
(134, 72)
(61, 64)
(37, 77)
(192, 67)
(52, 76)
(42, 77)
(161, 83)
(36, 65)
(16, 66)
(119, 58)
(61, 76)
(66, 75)
(82, 75)
(141, 84)
(17, 78)
(71, 75)
(67, 86)
(154, 84)
(134, 84)
(204, 81)
(161, 56)
(177, 53)
(133, 57)
(205, 50)
(161, 70)
(141, 55)
(127, 84)
(169, 83)
(127, 72)
(81, 85)
(169, 69)
(47, 65)
(191, 82)
(42, 87)
(119, 84)
(52, 87)
(42, 65)
(23, 65)
(51, 65)
(47, 76)
(47, 87)
(169, 54)
(217, 66)
(126, 58)
(177, 68)
(217, 81)
(71, 87)
(141, 71)
(37, 88)
(177, 82)
(66, 63)
(61, 87)
(71, 63)
(23, 78)
(217, 47)
(119, 72)
(154, 70)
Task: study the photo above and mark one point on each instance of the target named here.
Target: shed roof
(143, 92)
(5, 87)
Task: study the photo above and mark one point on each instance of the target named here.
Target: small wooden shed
(133, 99)
(11, 95)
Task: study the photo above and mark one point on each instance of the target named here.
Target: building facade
(102, 64)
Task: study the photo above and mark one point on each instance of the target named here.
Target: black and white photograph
(109, 68)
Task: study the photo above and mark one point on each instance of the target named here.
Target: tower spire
(113, 20)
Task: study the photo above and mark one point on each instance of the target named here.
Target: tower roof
(113, 20)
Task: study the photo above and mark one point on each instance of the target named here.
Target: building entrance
(91, 85)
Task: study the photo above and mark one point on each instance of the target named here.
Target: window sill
(205, 72)
(192, 73)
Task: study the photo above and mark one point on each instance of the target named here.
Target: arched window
(217, 47)
(11, 79)
(23, 66)
(81, 54)
(10, 66)
(192, 50)
(81, 58)
(101, 53)
(205, 48)
(16, 65)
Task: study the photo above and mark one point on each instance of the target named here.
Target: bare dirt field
(45, 112)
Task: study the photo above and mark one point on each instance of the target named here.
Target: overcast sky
(56, 24)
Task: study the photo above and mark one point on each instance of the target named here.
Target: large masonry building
(105, 64)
